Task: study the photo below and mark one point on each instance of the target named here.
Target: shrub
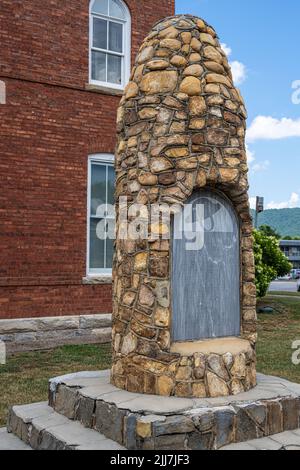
(270, 262)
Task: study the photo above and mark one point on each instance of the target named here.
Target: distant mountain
(285, 221)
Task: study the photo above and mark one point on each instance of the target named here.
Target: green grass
(276, 333)
(285, 294)
(24, 379)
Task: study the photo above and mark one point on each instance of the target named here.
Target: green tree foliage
(270, 231)
(288, 237)
(270, 262)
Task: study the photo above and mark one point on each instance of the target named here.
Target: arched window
(110, 36)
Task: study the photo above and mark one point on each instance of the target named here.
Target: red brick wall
(49, 126)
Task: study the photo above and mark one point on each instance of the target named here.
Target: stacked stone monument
(181, 128)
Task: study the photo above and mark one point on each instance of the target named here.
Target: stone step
(9, 441)
(288, 440)
(141, 421)
(41, 428)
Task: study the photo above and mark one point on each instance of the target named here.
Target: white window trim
(126, 63)
(102, 158)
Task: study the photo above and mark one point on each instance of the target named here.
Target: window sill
(103, 90)
(95, 280)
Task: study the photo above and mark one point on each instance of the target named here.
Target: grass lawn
(276, 333)
(285, 294)
(24, 379)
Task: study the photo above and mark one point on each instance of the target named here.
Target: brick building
(63, 66)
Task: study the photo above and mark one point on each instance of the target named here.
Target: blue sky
(264, 38)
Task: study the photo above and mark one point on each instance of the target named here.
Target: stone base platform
(137, 421)
(39, 427)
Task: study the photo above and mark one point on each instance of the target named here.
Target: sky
(261, 39)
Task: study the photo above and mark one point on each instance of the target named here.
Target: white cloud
(226, 49)
(254, 166)
(252, 201)
(238, 69)
(238, 72)
(250, 154)
(293, 202)
(262, 166)
(269, 128)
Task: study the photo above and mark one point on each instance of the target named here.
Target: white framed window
(110, 37)
(100, 216)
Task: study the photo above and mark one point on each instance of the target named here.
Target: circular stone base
(199, 369)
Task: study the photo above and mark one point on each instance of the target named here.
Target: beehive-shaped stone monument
(184, 320)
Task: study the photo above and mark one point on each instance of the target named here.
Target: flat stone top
(98, 387)
(211, 346)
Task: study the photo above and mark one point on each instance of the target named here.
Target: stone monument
(184, 320)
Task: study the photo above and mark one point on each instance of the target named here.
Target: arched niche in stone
(181, 135)
(205, 282)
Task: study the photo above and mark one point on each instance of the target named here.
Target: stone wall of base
(31, 334)
(147, 422)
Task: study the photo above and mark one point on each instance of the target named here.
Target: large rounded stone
(216, 364)
(191, 86)
(146, 296)
(213, 54)
(160, 164)
(162, 317)
(157, 64)
(129, 344)
(216, 386)
(131, 90)
(177, 152)
(146, 54)
(217, 78)
(199, 390)
(159, 82)
(165, 385)
(172, 44)
(140, 263)
(169, 33)
(197, 106)
(178, 61)
(194, 70)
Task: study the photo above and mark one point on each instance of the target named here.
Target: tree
(269, 231)
(270, 261)
(288, 237)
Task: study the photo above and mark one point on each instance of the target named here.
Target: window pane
(98, 189)
(96, 247)
(100, 33)
(100, 6)
(99, 66)
(115, 37)
(114, 74)
(111, 185)
(109, 253)
(116, 10)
